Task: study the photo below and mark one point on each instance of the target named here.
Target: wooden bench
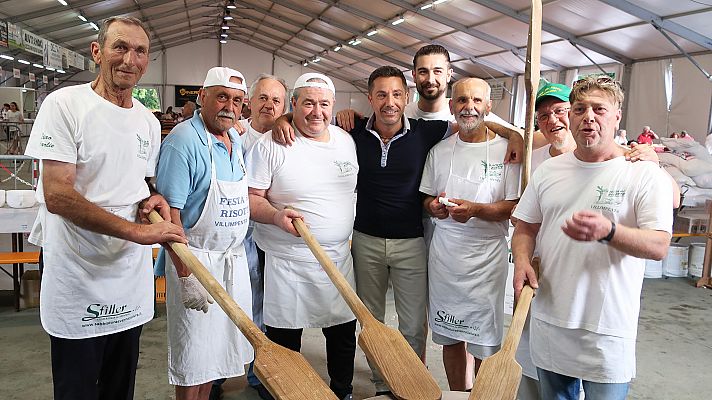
(18, 261)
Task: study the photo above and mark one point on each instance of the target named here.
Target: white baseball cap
(303, 81)
(220, 76)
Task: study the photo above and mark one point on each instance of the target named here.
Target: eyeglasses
(542, 117)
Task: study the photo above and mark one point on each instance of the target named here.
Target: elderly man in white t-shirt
(317, 177)
(467, 265)
(599, 216)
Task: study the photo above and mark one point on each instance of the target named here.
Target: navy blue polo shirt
(388, 203)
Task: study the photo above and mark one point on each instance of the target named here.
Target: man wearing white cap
(201, 173)
(318, 178)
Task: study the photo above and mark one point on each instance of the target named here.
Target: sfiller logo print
(109, 314)
(453, 323)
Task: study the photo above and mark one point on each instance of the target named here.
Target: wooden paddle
(499, 375)
(285, 373)
(402, 370)
(531, 83)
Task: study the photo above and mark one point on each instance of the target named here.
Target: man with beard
(467, 265)
(202, 174)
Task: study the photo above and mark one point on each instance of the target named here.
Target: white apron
(466, 272)
(93, 284)
(299, 294)
(203, 347)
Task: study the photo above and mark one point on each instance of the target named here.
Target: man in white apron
(317, 177)
(201, 173)
(467, 265)
(598, 216)
(97, 146)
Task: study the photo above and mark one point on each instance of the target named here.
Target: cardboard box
(30, 289)
(685, 224)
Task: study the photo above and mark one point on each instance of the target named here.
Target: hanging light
(227, 16)
(23, 61)
(38, 66)
(305, 63)
(223, 41)
(337, 47)
(93, 25)
(5, 56)
(231, 5)
(223, 35)
(372, 32)
(224, 26)
(81, 17)
(399, 20)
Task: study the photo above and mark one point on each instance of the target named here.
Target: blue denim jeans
(553, 386)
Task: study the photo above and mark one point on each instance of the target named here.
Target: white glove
(193, 294)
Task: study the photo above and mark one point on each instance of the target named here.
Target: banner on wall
(185, 93)
(14, 38)
(32, 43)
(76, 60)
(32, 76)
(52, 55)
(92, 66)
(16, 73)
(3, 33)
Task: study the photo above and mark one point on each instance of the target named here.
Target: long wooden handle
(342, 285)
(243, 322)
(531, 83)
(514, 334)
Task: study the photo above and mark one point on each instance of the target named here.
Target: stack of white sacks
(690, 165)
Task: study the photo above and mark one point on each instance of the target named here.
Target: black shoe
(263, 392)
(216, 392)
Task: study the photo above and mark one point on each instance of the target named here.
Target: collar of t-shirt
(404, 130)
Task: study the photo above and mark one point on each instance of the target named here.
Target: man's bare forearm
(497, 211)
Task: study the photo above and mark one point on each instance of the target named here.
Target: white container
(653, 269)
(20, 198)
(2, 198)
(675, 264)
(697, 259)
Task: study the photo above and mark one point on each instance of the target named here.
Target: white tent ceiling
(486, 38)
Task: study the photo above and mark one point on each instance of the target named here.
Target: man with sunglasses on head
(599, 216)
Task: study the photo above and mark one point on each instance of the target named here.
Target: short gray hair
(127, 20)
(262, 77)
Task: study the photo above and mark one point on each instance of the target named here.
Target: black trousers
(340, 352)
(98, 368)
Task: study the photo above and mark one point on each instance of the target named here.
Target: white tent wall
(646, 99)
(691, 97)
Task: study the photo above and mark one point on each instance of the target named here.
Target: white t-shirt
(13, 116)
(539, 156)
(113, 148)
(467, 163)
(590, 285)
(250, 137)
(588, 289)
(316, 178)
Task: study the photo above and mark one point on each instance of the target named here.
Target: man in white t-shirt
(97, 145)
(267, 103)
(317, 176)
(599, 217)
(467, 265)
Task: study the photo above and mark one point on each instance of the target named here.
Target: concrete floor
(674, 351)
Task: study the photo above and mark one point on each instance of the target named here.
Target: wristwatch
(609, 237)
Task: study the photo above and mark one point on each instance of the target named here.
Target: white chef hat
(303, 81)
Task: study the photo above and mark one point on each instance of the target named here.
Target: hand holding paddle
(285, 373)
(499, 375)
(402, 370)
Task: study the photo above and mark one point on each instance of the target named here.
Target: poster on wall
(14, 38)
(16, 73)
(55, 81)
(45, 80)
(185, 93)
(32, 76)
(52, 55)
(3, 33)
(32, 43)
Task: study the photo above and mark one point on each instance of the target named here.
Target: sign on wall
(185, 93)
(497, 90)
(16, 73)
(14, 38)
(32, 43)
(3, 33)
(32, 76)
(45, 80)
(55, 81)
(52, 55)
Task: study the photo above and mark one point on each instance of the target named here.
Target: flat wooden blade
(402, 371)
(498, 378)
(287, 375)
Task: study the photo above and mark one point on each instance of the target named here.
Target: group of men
(407, 171)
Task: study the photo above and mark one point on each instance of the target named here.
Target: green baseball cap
(556, 90)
